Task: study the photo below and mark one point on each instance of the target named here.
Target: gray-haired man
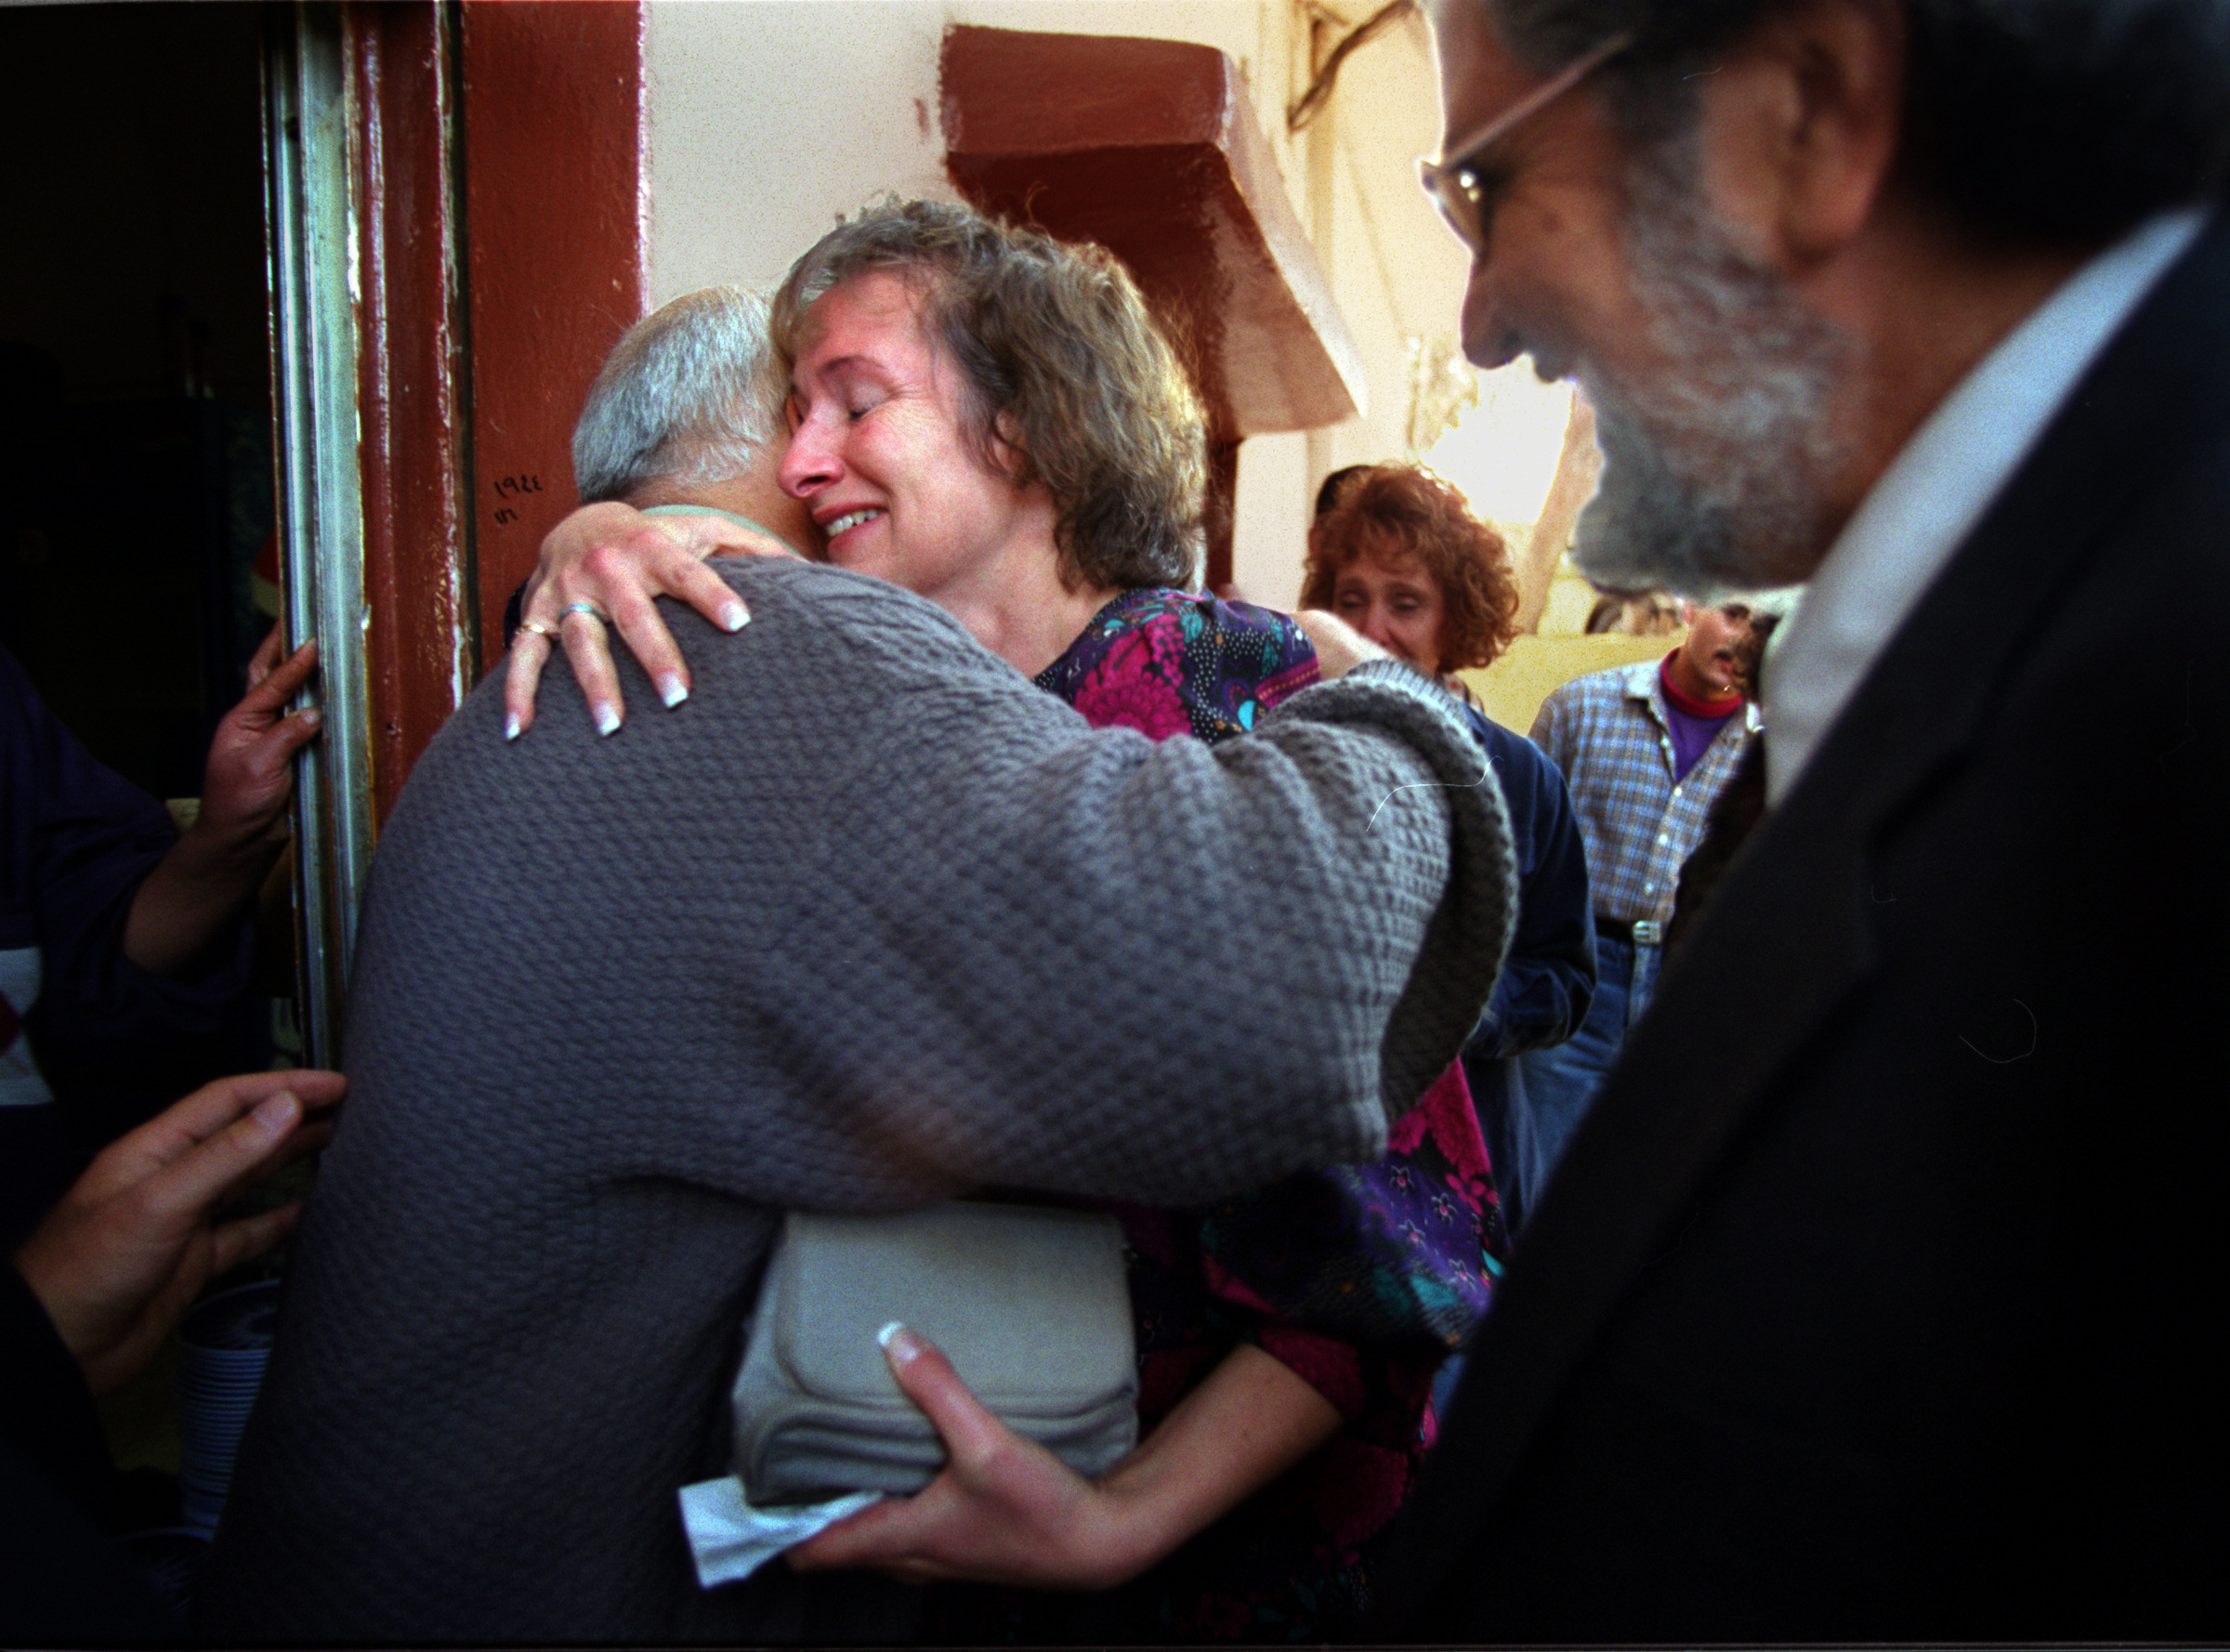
(678, 427)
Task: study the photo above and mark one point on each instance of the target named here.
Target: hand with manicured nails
(1007, 1511)
(137, 1236)
(616, 559)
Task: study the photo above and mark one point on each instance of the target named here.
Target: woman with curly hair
(1401, 558)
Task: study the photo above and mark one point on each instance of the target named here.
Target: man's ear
(1801, 124)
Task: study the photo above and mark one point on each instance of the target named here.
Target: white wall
(1270, 519)
(770, 118)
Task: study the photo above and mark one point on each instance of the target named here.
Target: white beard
(1713, 473)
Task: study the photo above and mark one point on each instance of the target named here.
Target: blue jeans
(1552, 1088)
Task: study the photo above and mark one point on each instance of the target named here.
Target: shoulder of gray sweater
(812, 616)
(820, 633)
(837, 597)
(1402, 702)
(1469, 937)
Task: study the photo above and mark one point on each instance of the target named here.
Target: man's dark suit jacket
(1882, 1293)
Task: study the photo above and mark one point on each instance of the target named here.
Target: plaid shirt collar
(1644, 684)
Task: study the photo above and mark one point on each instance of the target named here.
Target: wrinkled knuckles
(610, 567)
(646, 546)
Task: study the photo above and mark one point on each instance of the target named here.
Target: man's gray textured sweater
(869, 921)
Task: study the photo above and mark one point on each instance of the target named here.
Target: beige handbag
(1030, 1303)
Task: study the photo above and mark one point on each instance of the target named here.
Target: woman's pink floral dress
(1360, 1278)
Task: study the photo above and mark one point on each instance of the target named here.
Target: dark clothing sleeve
(1550, 975)
(61, 1583)
(115, 1044)
(47, 1419)
(1734, 818)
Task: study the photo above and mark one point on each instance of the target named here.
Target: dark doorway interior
(135, 391)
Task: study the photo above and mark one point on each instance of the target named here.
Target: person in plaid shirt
(1647, 751)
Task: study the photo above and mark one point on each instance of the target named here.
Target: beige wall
(767, 118)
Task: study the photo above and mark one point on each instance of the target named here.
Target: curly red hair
(1399, 512)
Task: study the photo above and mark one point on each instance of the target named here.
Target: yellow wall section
(1514, 686)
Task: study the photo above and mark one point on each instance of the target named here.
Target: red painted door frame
(552, 111)
(421, 641)
(497, 170)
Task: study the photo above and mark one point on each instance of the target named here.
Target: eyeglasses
(1456, 185)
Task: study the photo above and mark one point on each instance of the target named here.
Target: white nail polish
(670, 688)
(735, 616)
(511, 726)
(608, 719)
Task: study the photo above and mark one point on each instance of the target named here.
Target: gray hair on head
(685, 396)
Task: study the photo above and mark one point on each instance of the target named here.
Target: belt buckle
(1648, 931)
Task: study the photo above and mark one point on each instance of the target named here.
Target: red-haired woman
(1401, 558)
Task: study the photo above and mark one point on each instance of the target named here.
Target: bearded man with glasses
(1876, 1297)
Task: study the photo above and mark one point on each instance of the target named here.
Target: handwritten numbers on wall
(513, 487)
